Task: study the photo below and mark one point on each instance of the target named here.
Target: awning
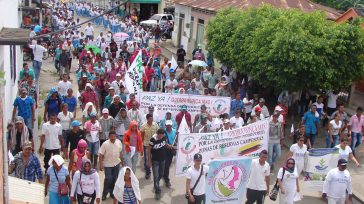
(14, 36)
(146, 1)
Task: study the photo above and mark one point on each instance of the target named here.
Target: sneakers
(157, 196)
(147, 176)
(168, 184)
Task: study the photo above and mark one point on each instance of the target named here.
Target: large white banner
(319, 163)
(134, 75)
(246, 141)
(163, 102)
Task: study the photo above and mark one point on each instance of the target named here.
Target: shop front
(145, 8)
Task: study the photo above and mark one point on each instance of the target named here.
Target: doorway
(147, 10)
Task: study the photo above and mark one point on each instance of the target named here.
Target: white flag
(292, 129)
(10, 157)
(183, 127)
(173, 64)
(134, 75)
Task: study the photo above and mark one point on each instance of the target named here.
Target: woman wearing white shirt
(86, 184)
(248, 105)
(65, 118)
(345, 151)
(297, 152)
(288, 182)
(335, 128)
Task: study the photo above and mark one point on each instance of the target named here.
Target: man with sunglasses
(337, 183)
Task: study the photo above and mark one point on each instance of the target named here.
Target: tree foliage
(288, 48)
(341, 4)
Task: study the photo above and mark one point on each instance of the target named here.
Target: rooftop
(304, 5)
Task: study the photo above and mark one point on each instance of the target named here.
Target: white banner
(134, 75)
(246, 141)
(163, 102)
(319, 163)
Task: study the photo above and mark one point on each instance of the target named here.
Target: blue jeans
(168, 162)
(131, 162)
(146, 165)
(328, 142)
(158, 171)
(93, 147)
(29, 122)
(111, 175)
(311, 137)
(274, 151)
(356, 139)
(64, 136)
(36, 67)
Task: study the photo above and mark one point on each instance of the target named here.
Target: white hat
(118, 74)
(105, 110)
(226, 121)
(278, 108)
(169, 122)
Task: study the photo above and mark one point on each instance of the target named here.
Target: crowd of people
(113, 133)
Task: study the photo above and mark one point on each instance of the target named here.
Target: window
(200, 21)
(13, 62)
(191, 27)
(170, 18)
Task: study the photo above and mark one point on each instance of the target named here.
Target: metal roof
(304, 5)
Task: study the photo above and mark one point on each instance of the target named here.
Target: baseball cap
(105, 110)
(27, 144)
(197, 156)
(258, 109)
(84, 75)
(262, 100)
(111, 88)
(183, 107)
(118, 74)
(75, 123)
(342, 162)
(226, 121)
(93, 114)
(278, 108)
(169, 122)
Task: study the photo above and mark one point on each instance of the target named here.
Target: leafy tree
(288, 48)
(341, 4)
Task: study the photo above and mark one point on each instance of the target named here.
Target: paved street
(175, 194)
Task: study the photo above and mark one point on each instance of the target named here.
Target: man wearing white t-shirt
(236, 121)
(89, 31)
(337, 183)
(196, 195)
(38, 51)
(64, 85)
(51, 139)
(258, 185)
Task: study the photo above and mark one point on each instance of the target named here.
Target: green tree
(289, 48)
(341, 4)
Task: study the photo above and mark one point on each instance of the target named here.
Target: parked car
(157, 19)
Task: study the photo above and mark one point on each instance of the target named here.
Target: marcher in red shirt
(129, 103)
(149, 72)
(89, 95)
(182, 113)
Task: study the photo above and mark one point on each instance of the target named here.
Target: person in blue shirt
(24, 105)
(71, 100)
(236, 104)
(52, 104)
(171, 150)
(311, 122)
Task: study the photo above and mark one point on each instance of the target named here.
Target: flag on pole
(134, 75)
(174, 64)
(183, 127)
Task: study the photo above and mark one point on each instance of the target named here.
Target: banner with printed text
(246, 141)
(163, 102)
(133, 76)
(227, 180)
(319, 163)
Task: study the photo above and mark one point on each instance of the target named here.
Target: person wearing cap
(109, 97)
(337, 184)
(116, 83)
(311, 124)
(135, 114)
(225, 125)
(275, 138)
(258, 184)
(74, 135)
(107, 123)
(132, 100)
(147, 130)
(23, 106)
(236, 104)
(170, 134)
(57, 174)
(171, 83)
(92, 130)
(26, 164)
(192, 174)
(237, 121)
(89, 95)
(202, 126)
(186, 114)
(263, 107)
(51, 139)
(115, 106)
(154, 113)
(168, 116)
(157, 150)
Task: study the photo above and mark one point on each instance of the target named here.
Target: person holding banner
(171, 135)
(337, 184)
(258, 185)
(288, 182)
(297, 152)
(168, 116)
(196, 181)
(202, 126)
(184, 113)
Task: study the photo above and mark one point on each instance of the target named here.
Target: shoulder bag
(86, 198)
(187, 196)
(62, 187)
(274, 192)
